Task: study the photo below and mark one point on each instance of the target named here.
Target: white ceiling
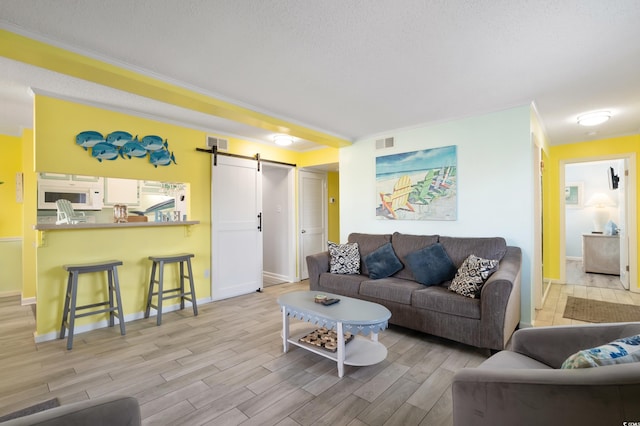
(354, 68)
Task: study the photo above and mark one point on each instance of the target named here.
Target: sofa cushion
(431, 265)
(620, 351)
(345, 258)
(459, 248)
(347, 285)
(403, 244)
(391, 289)
(472, 275)
(368, 243)
(439, 299)
(383, 262)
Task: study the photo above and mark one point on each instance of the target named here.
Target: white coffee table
(358, 317)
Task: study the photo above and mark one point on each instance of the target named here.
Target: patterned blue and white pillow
(472, 275)
(345, 258)
(619, 351)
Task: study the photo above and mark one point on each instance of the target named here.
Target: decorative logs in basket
(325, 339)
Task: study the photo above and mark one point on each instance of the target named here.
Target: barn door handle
(260, 221)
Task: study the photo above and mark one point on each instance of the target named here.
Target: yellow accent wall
(57, 122)
(10, 217)
(319, 156)
(10, 164)
(53, 149)
(551, 190)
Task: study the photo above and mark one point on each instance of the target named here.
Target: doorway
(278, 219)
(312, 216)
(590, 209)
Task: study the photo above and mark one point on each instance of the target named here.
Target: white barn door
(236, 240)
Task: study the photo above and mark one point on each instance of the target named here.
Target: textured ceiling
(349, 68)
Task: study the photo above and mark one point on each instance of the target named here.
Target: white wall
(275, 220)
(495, 183)
(592, 176)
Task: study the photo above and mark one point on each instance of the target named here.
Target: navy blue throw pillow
(383, 262)
(431, 265)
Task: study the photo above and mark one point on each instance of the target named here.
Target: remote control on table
(328, 302)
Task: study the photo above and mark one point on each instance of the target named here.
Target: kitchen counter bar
(54, 227)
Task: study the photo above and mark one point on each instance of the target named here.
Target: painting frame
(417, 185)
(573, 195)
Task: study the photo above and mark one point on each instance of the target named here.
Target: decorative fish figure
(104, 151)
(161, 157)
(119, 138)
(154, 143)
(133, 149)
(88, 139)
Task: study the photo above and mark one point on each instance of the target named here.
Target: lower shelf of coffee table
(361, 351)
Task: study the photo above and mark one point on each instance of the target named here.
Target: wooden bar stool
(162, 294)
(69, 314)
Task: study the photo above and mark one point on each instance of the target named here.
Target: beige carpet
(597, 311)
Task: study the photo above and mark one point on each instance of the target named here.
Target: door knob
(304, 231)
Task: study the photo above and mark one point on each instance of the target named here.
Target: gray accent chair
(105, 411)
(525, 385)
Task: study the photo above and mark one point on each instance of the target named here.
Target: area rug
(597, 311)
(52, 403)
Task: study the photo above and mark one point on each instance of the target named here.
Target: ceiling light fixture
(594, 118)
(283, 140)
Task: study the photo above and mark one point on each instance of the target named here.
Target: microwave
(82, 195)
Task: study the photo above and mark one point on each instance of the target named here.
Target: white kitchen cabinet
(54, 176)
(121, 191)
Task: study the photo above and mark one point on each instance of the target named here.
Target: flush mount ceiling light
(594, 118)
(283, 140)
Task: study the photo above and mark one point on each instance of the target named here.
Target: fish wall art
(120, 144)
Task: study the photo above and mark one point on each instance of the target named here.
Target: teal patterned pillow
(619, 351)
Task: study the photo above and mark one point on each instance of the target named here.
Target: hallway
(585, 285)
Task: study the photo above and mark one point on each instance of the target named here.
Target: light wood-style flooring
(226, 367)
(580, 284)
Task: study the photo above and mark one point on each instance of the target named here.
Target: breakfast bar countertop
(54, 227)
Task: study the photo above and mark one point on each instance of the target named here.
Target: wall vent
(384, 143)
(222, 144)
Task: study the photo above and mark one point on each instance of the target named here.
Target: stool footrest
(93, 305)
(101, 311)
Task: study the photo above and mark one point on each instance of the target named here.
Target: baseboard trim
(28, 301)
(277, 277)
(127, 318)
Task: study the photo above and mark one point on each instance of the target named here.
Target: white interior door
(313, 216)
(236, 240)
(624, 236)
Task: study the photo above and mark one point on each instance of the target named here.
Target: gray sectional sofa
(487, 321)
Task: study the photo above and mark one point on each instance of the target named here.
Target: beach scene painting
(418, 185)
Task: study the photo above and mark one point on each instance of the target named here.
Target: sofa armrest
(552, 345)
(500, 300)
(316, 265)
(592, 396)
